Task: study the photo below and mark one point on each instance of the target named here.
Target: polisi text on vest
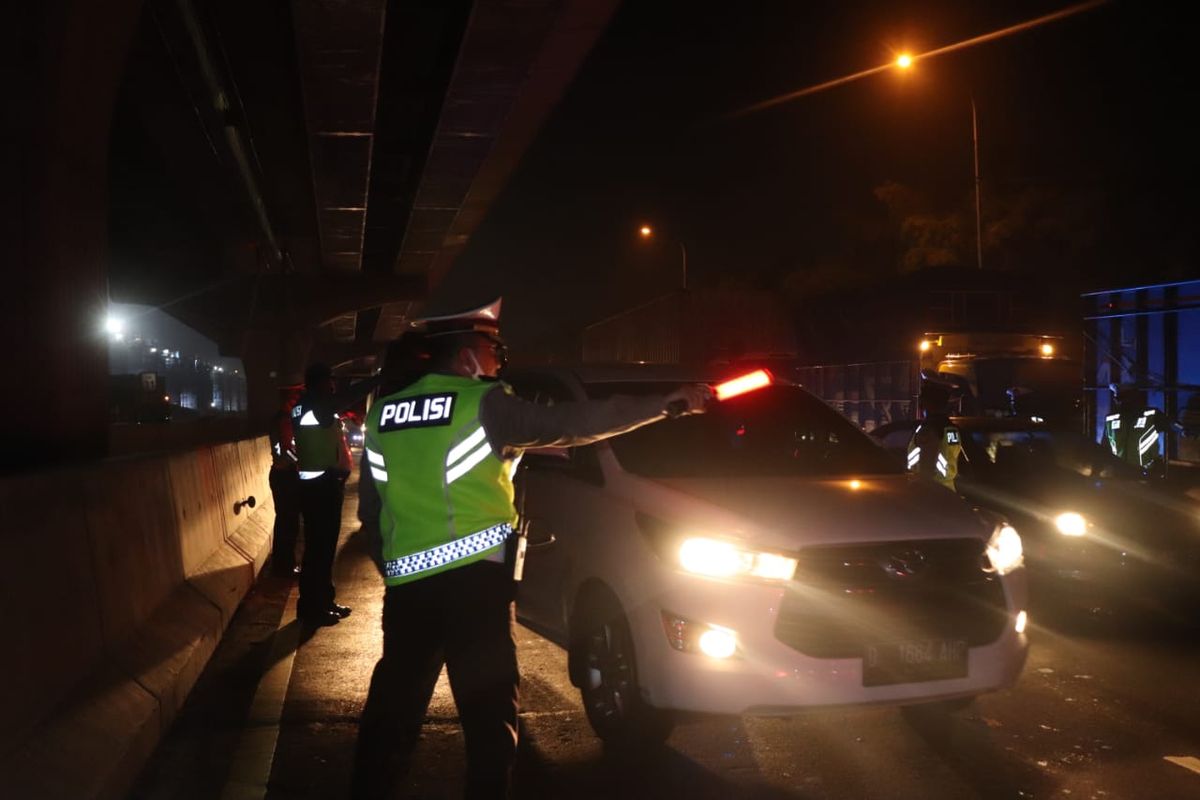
(417, 412)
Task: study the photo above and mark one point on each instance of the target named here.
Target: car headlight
(720, 559)
(1070, 524)
(1004, 550)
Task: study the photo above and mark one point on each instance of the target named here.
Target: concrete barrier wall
(126, 575)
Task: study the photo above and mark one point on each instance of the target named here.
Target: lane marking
(250, 769)
(1187, 762)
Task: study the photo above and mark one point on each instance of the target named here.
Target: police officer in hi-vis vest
(323, 464)
(441, 454)
(936, 444)
(285, 485)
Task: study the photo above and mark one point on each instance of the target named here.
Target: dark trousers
(464, 619)
(321, 504)
(285, 491)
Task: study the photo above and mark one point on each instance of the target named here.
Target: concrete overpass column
(273, 359)
(66, 58)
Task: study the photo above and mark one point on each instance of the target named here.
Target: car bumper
(769, 677)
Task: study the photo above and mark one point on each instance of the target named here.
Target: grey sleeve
(514, 424)
(369, 506)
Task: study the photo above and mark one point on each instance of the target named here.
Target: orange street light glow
(1047, 349)
(924, 346)
(1020, 27)
(645, 230)
(904, 61)
(855, 484)
(742, 384)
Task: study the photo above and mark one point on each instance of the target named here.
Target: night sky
(1089, 166)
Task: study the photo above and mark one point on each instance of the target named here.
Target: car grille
(843, 598)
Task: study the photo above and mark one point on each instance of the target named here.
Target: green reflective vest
(447, 499)
(319, 448)
(934, 453)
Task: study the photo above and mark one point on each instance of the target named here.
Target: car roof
(639, 373)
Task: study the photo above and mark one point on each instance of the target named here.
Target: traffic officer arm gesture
(514, 424)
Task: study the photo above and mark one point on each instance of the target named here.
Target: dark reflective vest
(934, 452)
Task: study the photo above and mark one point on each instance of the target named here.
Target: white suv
(762, 558)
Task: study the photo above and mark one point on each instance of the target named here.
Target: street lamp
(904, 61)
(647, 232)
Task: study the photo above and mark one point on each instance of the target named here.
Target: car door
(555, 490)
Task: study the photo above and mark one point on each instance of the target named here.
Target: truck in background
(138, 398)
(997, 372)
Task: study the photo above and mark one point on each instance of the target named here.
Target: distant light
(904, 61)
(1036, 419)
(855, 484)
(646, 231)
(924, 345)
(118, 336)
(166, 398)
(1047, 349)
(114, 326)
(1022, 621)
(213, 404)
(153, 349)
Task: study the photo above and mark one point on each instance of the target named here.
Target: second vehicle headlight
(1070, 524)
(719, 559)
(1004, 549)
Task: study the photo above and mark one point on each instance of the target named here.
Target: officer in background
(936, 444)
(1133, 431)
(285, 484)
(441, 453)
(323, 465)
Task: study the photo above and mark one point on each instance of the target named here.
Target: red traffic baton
(735, 387)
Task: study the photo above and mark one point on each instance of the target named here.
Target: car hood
(796, 512)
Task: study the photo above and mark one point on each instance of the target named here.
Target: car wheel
(606, 672)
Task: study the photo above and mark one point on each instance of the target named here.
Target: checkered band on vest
(447, 553)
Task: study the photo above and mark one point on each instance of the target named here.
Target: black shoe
(341, 611)
(319, 619)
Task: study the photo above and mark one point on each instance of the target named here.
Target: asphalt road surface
(1101, 711)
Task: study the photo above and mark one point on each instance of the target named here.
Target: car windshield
(780, 430)
(1037, 451)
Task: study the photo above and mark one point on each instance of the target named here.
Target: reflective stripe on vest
(914, 458)
(308, 475)
(466, 454)
(377, 464)
(447, 553)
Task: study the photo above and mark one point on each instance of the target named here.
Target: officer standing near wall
(285, 485)
(936, 444)
(323, 466)
(441, 453)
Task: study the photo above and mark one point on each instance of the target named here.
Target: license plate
(913, 661)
